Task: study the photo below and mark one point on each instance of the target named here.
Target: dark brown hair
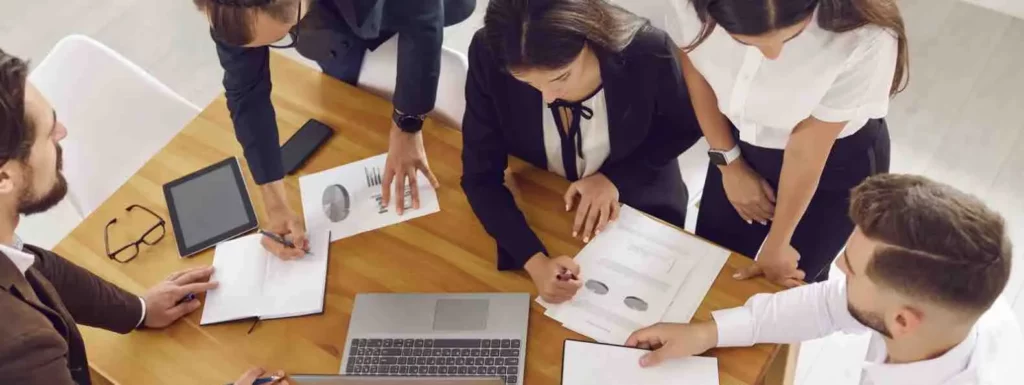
(16, 132)
(550, 34)
(757, 17)
(940, 244)
(233, 21)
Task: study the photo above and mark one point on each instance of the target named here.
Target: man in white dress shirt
(924, 270)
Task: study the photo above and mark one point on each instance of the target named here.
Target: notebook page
(239, 267)
(587, 363)
(296, 287)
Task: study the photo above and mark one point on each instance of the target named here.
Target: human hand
(162, 300)
(750, 194)
(598, 205)
(549, 275)
(671, 340)
(406, 156)
(281, 220)
(778, 263)
(251, 375)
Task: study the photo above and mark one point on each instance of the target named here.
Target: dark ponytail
(549, 34)
(758, 17)
(233, 21)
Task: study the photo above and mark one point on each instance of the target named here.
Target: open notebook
(255, 283)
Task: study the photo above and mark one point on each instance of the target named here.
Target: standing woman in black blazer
(584, 89)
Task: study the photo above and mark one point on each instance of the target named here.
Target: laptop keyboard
(435, 358)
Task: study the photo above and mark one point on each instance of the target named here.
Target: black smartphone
(303, 144)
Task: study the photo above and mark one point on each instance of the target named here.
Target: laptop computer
(426, 336)
(351, 380)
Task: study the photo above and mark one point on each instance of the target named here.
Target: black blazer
(650, 122)
(329, 29)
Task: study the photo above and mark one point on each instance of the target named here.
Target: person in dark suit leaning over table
(588, 91)
(43, 296)
(923, 272)
(335, 34)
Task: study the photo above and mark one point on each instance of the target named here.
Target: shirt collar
(934, 371)
(17, 254)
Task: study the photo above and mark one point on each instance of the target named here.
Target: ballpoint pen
(279, 239)
(264, 380)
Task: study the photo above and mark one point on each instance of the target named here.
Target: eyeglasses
(128, 252)
(292, 38)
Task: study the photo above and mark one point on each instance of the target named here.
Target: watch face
(717, 158)
(408, 123)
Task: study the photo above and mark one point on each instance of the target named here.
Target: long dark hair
(756, 17)
(549, 34)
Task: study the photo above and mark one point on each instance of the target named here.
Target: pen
(277, 238)
(566, 275)
(265, 380)
(188, 297)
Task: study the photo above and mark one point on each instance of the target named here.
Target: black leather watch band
(408, 123)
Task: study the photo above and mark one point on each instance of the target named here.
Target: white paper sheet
(296, 287)
(595, 364)
(640, 258)
(254, 283)
(239, 267)
(347, 199)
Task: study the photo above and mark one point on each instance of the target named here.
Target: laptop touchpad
(460, 314)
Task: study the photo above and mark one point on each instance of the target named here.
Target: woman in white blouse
(791, 96)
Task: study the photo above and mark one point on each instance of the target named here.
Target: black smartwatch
(408, 123)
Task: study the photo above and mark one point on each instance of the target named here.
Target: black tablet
(209, 206)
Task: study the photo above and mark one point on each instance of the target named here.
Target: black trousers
(825, 227)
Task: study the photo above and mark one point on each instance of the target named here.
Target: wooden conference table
(445, 252)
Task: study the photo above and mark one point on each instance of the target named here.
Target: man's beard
(29, 204)
(871, 320)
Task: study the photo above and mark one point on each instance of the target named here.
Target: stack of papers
(636, 273)
(585, 363)
(255, 283)
(347, 199)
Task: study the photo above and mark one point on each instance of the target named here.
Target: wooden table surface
(445, 252)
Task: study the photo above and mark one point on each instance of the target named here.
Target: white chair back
(117, 115)
(380, 70)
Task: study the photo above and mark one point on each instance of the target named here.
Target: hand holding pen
(557, 279)
(253, 377)
(282, 247)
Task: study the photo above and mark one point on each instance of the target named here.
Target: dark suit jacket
(39, 341)
(651, 122)
(329, 29)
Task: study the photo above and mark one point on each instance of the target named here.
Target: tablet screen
(209, 206)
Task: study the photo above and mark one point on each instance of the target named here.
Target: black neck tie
(572, 141)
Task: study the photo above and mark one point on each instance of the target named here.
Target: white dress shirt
(23, 260)
(593, 131)
(835, 77)
(990, 355)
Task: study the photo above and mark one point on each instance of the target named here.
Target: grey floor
(960, 121)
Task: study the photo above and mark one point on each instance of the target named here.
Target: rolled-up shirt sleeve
(247, 87)
(798, 314)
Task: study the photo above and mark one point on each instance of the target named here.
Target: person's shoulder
(999, 347)
(479, 47)
(649, 41)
